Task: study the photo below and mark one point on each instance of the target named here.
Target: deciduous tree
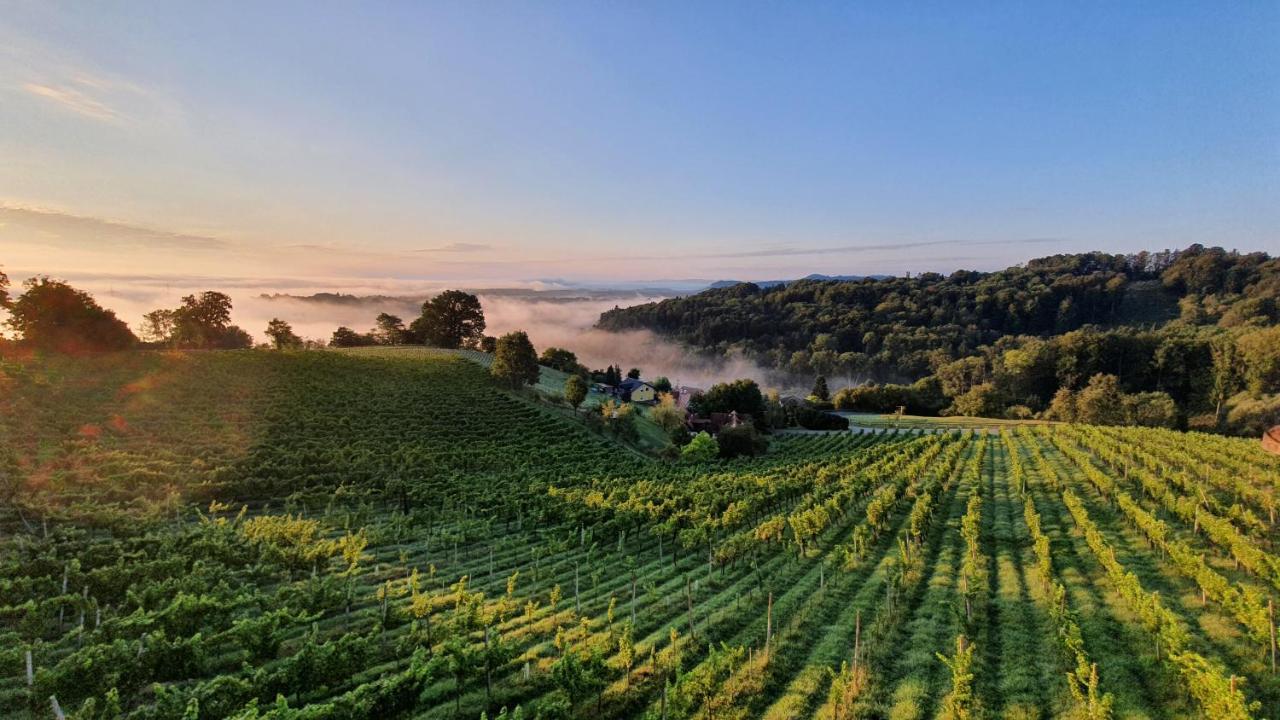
(282, 335)
(452, 319)
(515, 364)
(575, 391)
(52, 315)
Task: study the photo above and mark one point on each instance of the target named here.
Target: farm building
(683, 394)
(632, 390)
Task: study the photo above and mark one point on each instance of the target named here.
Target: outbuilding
(632, 390)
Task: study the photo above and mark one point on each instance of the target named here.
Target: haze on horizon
(290, 146)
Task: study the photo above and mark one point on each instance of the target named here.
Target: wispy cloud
(458, 247)
(53, 227)
(852, 249)
(74, 100)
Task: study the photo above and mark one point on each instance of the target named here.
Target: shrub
(702, 448)
(741, 440)
(813, 419)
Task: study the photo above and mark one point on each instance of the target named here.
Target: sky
(384, 146)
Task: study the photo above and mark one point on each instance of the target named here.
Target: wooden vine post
(768, 626)
(1271, 622)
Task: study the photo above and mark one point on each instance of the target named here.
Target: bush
(1151, 409)
(740, 441)
(680, 436)
(923, 397)
(1019, 412)
(813, 419)
(702, 448)
(1247, 415)
(978, 401)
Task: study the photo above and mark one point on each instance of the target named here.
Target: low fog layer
(552, 317)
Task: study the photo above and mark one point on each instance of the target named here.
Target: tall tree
(820, 390)
(1226, 373)
(4, 290)
(201, 319)
(281, 334)
(52, 315)
(452, 319)
(157, 325)
(515, 364)
(389, 330)
(575, 390)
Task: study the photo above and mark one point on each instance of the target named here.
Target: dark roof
(631, 384)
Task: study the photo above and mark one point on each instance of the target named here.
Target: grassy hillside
(420, 544)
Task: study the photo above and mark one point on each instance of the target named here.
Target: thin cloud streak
(847, 249)
(73, 100)
(458, 247)
(55, 227)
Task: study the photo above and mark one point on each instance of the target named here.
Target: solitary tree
(575, 390)
(202, 319)
(515, 364)
(389, 329)
(634, 373)
(4, 290)
(157, 325)
(820, 390)
(52, 315)
(452, 319)
(281, 334)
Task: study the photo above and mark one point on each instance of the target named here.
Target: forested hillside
(1004, 343)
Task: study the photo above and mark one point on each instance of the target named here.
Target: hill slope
(420, 544)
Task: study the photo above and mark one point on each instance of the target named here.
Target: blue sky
(608, 141)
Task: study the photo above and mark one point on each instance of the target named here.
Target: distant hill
(1018, 335)
(774, 283)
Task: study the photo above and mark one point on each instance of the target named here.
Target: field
(381, 534)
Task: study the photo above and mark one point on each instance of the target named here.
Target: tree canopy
(52, 315)
(201, 321)
(562, 360)
(515, 364)
(742, 396)
(282, 335)
(575, 390)
(452, 319)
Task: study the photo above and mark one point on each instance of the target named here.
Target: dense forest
(1180, 338)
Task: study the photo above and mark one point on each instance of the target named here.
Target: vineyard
(248, 534)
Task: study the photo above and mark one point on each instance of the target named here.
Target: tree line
(1194, 330)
